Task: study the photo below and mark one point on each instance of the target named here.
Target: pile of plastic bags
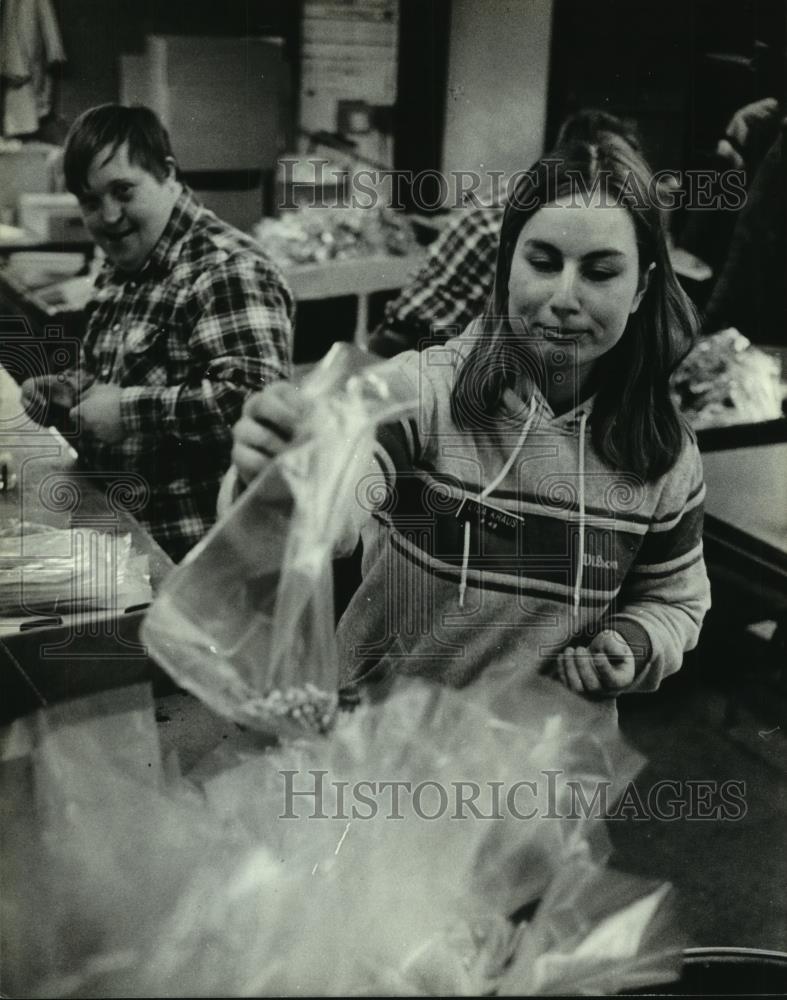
(316, 235)
(726, 380)
(295, 870)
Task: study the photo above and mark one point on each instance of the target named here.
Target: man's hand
(270, 419)
(736, 136)
(605, 664)
(44, 394)
(98, 413)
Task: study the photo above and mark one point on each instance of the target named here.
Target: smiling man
(188, 317)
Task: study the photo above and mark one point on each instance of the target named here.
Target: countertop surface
(746, 491)
(52, 490)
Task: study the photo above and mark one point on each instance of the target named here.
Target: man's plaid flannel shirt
(207, 321)
(450, 289)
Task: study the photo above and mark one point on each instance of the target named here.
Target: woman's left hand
(605, 664)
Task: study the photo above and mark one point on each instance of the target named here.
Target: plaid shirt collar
(164, 254)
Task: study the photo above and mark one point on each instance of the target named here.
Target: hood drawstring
(485, 493)
(581, 490)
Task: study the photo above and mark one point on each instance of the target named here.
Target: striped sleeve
(666, 595)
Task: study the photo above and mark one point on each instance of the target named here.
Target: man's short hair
(108, 126)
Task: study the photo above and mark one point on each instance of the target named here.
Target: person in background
(453, 285)
(547, 500)
(188, 317)
(748, 136)
(749, 290)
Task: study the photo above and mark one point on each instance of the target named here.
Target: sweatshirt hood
(515, 410)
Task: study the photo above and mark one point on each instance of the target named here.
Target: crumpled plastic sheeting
(126, 879)
(727, 380)
(316, 235)
(595, 933)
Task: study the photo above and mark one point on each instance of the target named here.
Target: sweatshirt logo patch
(598, 563)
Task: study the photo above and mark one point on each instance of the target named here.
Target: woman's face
(575, 276)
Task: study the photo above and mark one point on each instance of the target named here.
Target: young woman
(545, 514)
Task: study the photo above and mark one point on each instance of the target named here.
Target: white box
(27, 169)
(223, 100)
(53, 217)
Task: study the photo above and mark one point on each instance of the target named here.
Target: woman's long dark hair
(635, 425)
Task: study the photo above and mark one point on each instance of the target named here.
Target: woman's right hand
(269, 422)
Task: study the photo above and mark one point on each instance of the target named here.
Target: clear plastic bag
(247, 621)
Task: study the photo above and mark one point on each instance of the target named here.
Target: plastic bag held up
(250, 610)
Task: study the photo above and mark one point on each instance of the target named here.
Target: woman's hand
(269, 422)
(605, 664)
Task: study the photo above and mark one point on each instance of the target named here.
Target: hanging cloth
(30, 44)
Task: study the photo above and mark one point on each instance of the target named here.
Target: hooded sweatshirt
(494, 550)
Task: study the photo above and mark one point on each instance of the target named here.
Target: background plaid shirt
(207, 321)
(450, 289)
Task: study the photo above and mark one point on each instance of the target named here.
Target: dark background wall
(680, 68)
(96, 32)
